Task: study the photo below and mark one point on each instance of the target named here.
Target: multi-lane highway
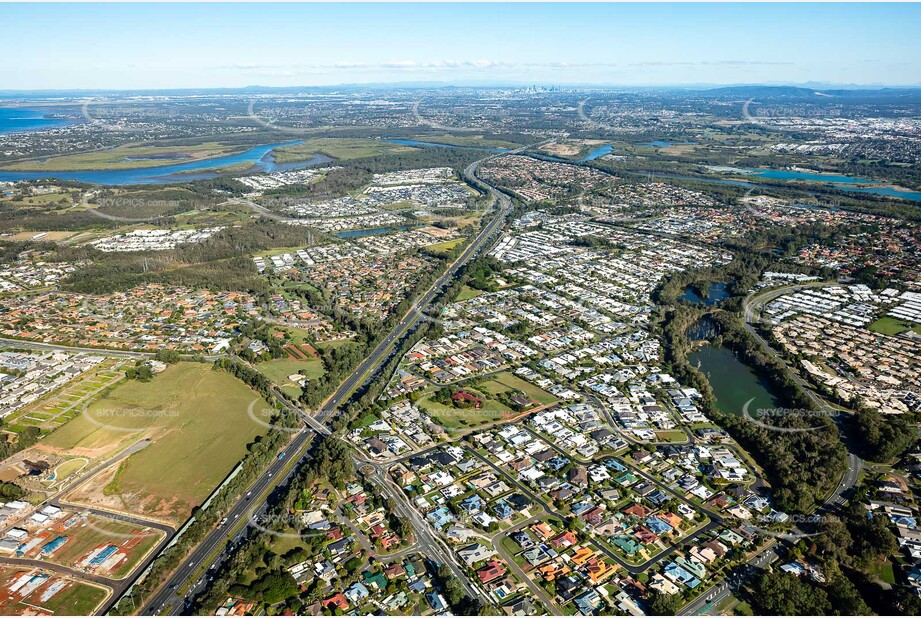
(169, 599)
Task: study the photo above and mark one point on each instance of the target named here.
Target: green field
(444, 247)
(338, 148)
(197, 419)
(892, 326)
(146, 155)
(278, 370)
(76, 600)
(452, 418)
(505, 382)
(467, 293)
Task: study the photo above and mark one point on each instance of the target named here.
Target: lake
(260, 157)
(835, 179)
(18, 119)
(704, 329)
(734, 383)
(716, 294)
(597, 152)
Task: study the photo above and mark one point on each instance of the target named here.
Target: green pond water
(733, 382)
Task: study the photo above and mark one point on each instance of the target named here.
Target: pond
(704, 329)
(716, 294)
(733, 382)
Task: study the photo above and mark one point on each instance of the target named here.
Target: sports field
(197, 419)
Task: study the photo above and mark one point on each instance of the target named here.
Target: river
(260, 157)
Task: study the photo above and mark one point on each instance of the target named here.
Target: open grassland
(506, 382)
(278, 370)
(197, 419)
(467, 293)
(342, 149)
(130, 156)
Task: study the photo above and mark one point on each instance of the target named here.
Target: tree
(664, 604)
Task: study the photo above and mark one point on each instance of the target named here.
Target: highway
(169, 600)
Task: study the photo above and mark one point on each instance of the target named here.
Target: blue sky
(230, 45)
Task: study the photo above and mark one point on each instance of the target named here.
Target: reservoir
(733, 382)
(18, 119)
(716, 294)
(260, 157)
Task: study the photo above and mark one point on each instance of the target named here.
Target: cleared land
(507, 382)
(130, 156)
(279, 369)
(74, 599)
(135, 541)
(337, 148)
(198, 423)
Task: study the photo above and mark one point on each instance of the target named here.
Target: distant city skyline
(164, 46)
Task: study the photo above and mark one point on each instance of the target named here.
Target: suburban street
(168, 599)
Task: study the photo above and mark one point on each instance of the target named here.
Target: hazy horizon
(182, 46)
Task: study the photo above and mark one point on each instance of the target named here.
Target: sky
(149, 46)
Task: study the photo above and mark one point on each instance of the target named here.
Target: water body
(597, 152)
(373, 231)
(834, 179)
(716, 294)
(704, 329)
(734, 383)
(18, 119)
(260, 157)
(417, 144)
